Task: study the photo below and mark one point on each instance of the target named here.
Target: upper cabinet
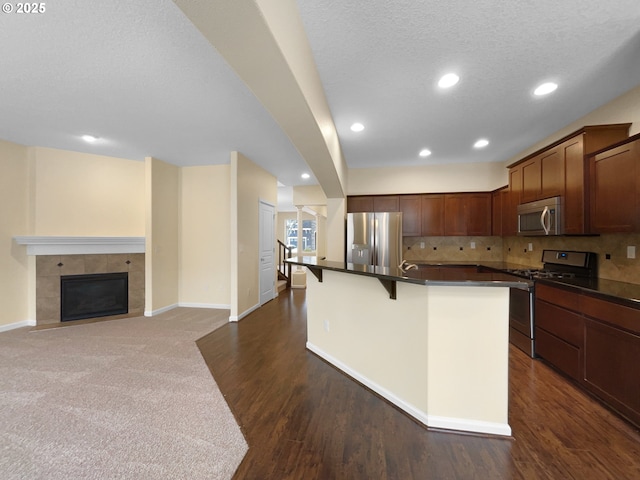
(422, 215)
(434, 214)
(513, 199)
(411, 222)
(373, 203)
(360, 203)
(431, 215)
(499, 198)
(467, 214)
(615, 188)
(560, 170)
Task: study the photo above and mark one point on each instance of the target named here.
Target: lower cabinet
(559, 338)
(559, 333)
(595, 342)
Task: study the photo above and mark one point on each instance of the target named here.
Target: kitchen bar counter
(423, 275)
(438, 349)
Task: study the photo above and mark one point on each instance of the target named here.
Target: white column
(299, 254)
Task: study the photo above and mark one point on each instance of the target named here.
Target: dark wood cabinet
(561, 169)
(594, 341)
(478, 214)
(360, 203)
(575, 218)
(373, 203)
(543, 176)
(386, 203)
(559, 330)
(432, 215)
(467, 214)
(615, 189)
(610, 369)
(552, 181)
(531, 180)
(510, 221)
(455, 214)
(411, 215)
(498, 210)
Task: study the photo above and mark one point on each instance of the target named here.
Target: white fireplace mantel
(46, 245)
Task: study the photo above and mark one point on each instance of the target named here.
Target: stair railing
(284, 268)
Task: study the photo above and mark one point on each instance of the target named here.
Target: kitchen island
(436, 348)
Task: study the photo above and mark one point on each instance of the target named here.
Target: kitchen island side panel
(468, 354)
(380, 339)
(437, 352)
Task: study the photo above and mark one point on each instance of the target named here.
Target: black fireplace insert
(93, 295)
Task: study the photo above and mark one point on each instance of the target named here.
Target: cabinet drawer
(562, 323)
(558, 296)
(560, 354)
(619, 315)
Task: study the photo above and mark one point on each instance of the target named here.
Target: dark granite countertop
(619, 292)
(423, 275)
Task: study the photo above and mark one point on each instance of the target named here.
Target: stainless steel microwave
(542, 217)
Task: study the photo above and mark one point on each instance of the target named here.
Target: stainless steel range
(558, 265)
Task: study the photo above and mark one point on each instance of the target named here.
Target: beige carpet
(125, 399)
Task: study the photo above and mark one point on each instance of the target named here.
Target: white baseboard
(449, 423)
(147, 313)
(237, 318)
(13, 326)
(214, 306)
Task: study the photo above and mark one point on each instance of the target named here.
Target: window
(308, 235)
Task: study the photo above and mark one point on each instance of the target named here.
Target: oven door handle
(545, 220)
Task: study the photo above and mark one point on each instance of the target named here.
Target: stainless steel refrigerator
(374, 239)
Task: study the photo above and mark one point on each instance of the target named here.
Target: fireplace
(93, 295)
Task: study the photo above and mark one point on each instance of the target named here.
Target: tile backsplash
(516, 250)
(452, 249)
(617, 267)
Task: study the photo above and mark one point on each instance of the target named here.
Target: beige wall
(465, 177)
(82, 194)
(14, 207)
(162, 232)
(204, 236)
(249, 185)
(335, 228)
(311, 195)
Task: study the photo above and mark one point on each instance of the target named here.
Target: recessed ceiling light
(357, 127)
(425, 152)
(483, 142)
(305, 176)
(89, 138)
(449, 80)
(545, 89)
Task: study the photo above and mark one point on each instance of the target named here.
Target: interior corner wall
(14, 212)
(205, 275)
(335, 229)
(162, 192)
(85, 195)
(249, 185)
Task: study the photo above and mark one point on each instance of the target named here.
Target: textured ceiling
(138, 75)
(380, 61)
(141, 77)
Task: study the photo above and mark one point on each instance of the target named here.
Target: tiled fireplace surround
(49, 269)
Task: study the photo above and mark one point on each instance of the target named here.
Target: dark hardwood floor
(303, 419)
